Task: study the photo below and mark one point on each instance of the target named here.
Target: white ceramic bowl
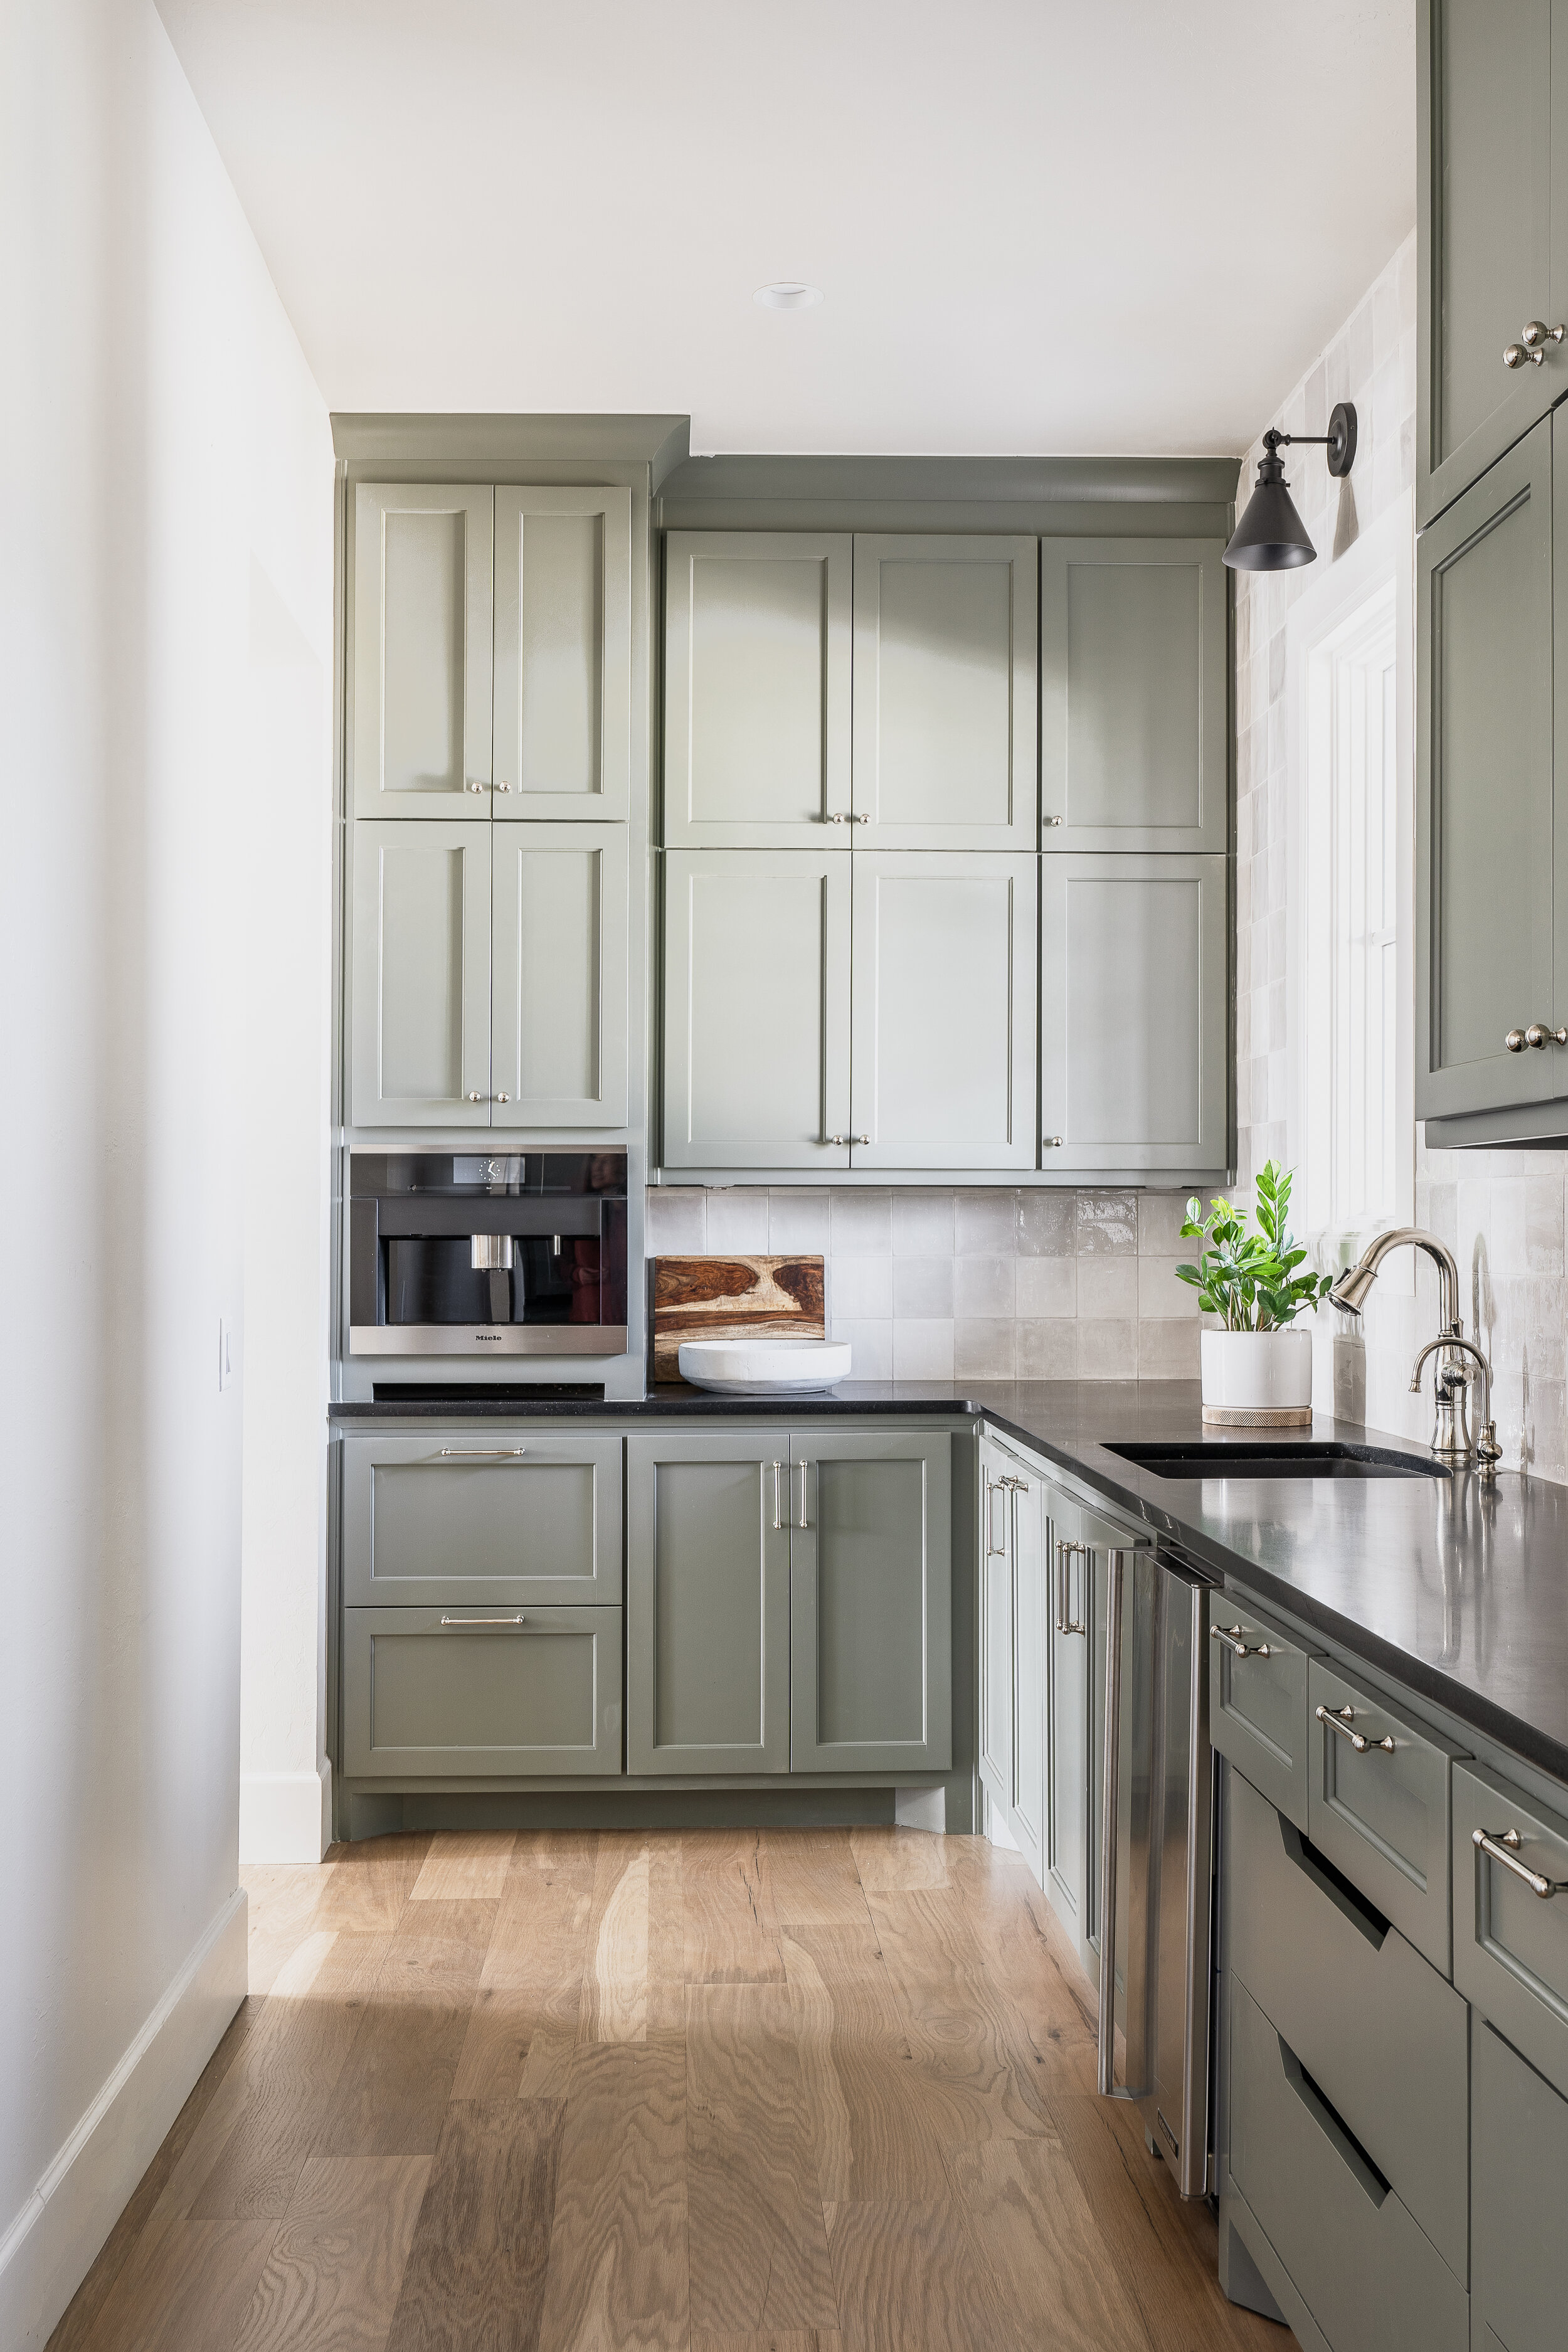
(763, 1367)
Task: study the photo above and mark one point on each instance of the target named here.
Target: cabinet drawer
(424, 1696)
(1367, 2272)
(1519, 2157)
(471, 1518)
(1381, 1812)
(1384, 2037)
(1259, 1715)
(1510, 1944)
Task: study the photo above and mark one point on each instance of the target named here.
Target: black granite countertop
(1454, 1585)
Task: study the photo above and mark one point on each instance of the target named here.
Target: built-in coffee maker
(492, 1254)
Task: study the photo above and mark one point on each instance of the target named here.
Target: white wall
(163, 444)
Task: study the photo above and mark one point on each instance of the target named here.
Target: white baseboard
(921, 1808)
(48, 2249)
(285, 1816)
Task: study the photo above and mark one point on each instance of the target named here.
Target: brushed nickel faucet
(1451, 1439)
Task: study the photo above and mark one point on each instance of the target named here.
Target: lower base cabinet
(1519, 2176)
(486, 1693)
(789, 1599)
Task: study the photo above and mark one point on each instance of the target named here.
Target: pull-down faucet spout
(1450, 1436)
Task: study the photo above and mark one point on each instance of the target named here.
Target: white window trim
(1387, 546)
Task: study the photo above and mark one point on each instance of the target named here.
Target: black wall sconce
(1272, 536)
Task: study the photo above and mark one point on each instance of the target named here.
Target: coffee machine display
(456, 1253)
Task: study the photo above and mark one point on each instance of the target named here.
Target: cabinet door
(1067, 1664)
(945, 703)
(871, 1605)
(996, 1600)
(562, 653)
(756, 695)
(708, 1603)
(1518, 2170)
(944, 992)
(1484, 803)
(420, 1013)
(481, 1694)
(469, 1518)
(1134, 1004)
(558, 1003)
(1492, 253)
(420, 724)
(1026, 1534)
(756, 1009)
(1133, 695)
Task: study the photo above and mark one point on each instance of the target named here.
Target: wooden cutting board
(733, 1298)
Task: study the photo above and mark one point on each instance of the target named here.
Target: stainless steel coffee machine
(496, 1253)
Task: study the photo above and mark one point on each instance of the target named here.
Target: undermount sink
(1282, 1458)
(763, 1367)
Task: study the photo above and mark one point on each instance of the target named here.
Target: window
(1350, 648)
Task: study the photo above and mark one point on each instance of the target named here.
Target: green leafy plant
(1252, 1279)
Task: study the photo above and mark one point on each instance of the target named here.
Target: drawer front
(1521, 2186)
(1367, 2272)
(1381, 1812)
(1510, 1944)
(1259, 1715)
(423, 1697)
(1384, 2037)
(463, 1517)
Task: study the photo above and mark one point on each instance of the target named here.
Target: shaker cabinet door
(559, 976)
(562, 653)
(1069, 1600)
(945, 717)
(422, 648)
(944, 994)
(1493, 164)
(1134, 999)
(1484, 962)
(756, 1009)
(757, 654)
(1133, 695)
(420, 976)
(997, 1739)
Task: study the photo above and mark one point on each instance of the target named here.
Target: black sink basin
(1238, 1457)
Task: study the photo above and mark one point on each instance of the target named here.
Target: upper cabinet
(946, 747)
(1134, 703)
(423, 649)
(1494, 233)
(562, 653)
(756, 695)
(491, 667)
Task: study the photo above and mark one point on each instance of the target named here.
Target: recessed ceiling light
(789, 294)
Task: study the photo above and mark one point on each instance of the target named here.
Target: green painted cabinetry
(1013, 1589)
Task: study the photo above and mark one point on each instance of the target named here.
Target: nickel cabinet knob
(474, 786)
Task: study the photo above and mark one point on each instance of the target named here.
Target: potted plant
(1256, 1371)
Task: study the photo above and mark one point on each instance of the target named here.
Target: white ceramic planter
(1257, 1378)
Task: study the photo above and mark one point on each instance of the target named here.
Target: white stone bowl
(763, 1367)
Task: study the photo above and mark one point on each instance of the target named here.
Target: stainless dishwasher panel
(1157, 1827)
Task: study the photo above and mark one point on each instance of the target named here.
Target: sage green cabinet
(1511, 1943)
(1013, 1697)
(1069, 1714)
(486, 1693)
(420, 975)
(559, 976)
(423, 649)
(708, 1603)
(1519, 2173)
(1485, 899)
(1134, 1028)
(508, 1518)
(789, 1602)
(489, 983)
(1492, 129)
(563, 728)
(1134, 722)
(945, 729)
(999, 1629)
(757, 688)
(756, 1009)
(870, 1604)
(944, 995)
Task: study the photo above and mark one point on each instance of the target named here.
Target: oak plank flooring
(281, 1900)
(331, 2280)
(676, 2092)
(757, 2246)
(475, 2274)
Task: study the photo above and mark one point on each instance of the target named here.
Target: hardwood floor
(719, 2090)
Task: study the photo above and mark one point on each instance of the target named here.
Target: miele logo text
(487, 1335)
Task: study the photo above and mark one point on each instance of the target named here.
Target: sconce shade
(1270, 536)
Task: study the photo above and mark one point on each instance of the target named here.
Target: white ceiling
(1090, 226)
